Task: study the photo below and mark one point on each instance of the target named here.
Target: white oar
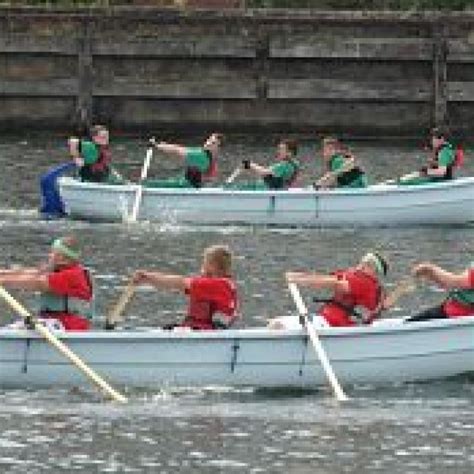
(116, 312)
(61, 347)
(138, 196)
(315, 341)
(233, 176)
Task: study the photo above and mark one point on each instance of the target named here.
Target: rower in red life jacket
(92, 155)
(280, 175)
(200, 163)
(358, 295)
(441, 164)
(212, 295)
(460, 285)
(65, 285)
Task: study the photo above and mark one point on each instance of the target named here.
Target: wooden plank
(461, 50)
(62, 87)
(207, 46)
(313, 46)
(460, 91)
(20, 43)
(193, 89)
(411, 91)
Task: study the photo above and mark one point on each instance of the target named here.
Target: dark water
(412, 428)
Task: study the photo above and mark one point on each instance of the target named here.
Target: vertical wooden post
(83, 113)
(440, 74)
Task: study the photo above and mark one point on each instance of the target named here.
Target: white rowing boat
(448, 202)
(259, 357)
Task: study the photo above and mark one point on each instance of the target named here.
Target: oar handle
(233, 176)
(115, 313)
(61, 347)
(316, 342)
(403, 287)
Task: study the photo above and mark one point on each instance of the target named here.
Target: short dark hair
(291, 145)
(439, 132)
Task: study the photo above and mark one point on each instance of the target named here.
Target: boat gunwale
(376, 189)
(257, 333)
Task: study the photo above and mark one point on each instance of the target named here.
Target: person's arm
(170, 148)
(25, 281)
(441, 277)
(317, 280)
(161, 280)
(74, 151)
(259, 170)
(329, 179)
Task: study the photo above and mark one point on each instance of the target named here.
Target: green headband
(373, 259)
(59, 246)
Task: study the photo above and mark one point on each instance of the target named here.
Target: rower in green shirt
(342, 170)
(440, 164)
(279, 175)
(200, 163)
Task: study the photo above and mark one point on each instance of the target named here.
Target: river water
(409, 428)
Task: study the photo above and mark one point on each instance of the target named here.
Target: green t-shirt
(446, 155)
(283, 169)
(89, 151)
(337, 162)
(354, 178)
(197, 157)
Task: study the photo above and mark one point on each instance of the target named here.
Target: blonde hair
(221, 257)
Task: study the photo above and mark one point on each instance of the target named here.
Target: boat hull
(248, 357)
(450, 202)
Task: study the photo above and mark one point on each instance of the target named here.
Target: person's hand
(246, 164)
(422, 270)
(140, 276)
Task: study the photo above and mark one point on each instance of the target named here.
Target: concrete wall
(357, 73)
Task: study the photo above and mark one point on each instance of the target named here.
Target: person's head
(287, 149)
(64, 252)
(213, 142)
(99, 135)
(438, 136)
(374, 264)
(217, 261)
(331, 146)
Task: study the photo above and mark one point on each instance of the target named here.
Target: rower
(280, 175)
(342, 171)
(358, 295)
(212, 294)
(65, 285)
(200, 163)
(460, 285)
(440, 166)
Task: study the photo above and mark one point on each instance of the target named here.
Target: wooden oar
(403, 287)
(315, 341)
(116, 312)
(138, 196)
(233, 176)
(61, 347)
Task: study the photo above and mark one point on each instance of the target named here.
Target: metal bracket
(235, 350)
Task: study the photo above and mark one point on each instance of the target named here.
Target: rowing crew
(357, 293)
(92, 157)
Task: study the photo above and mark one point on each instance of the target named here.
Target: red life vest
(105, 158)
(459, 157)
(212, 169)
(365, 291)
(207, 296)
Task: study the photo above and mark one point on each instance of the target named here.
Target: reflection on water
(414, 428)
